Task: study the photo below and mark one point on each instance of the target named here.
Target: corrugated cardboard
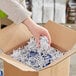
(14, 36)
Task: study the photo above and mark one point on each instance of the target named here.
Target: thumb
(38, 41)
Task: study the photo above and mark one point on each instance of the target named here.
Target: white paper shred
(35, 57)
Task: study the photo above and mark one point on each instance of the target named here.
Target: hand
(40, 31)
(37, 30)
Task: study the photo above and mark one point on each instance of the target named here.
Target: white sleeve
(15, 11)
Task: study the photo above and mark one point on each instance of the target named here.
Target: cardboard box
(14, 36)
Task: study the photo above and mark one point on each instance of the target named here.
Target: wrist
(29, 23)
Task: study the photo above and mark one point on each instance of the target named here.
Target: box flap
(12, 36)
(62, 37)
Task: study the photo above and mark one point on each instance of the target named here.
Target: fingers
(38, 39)
(48, 36)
